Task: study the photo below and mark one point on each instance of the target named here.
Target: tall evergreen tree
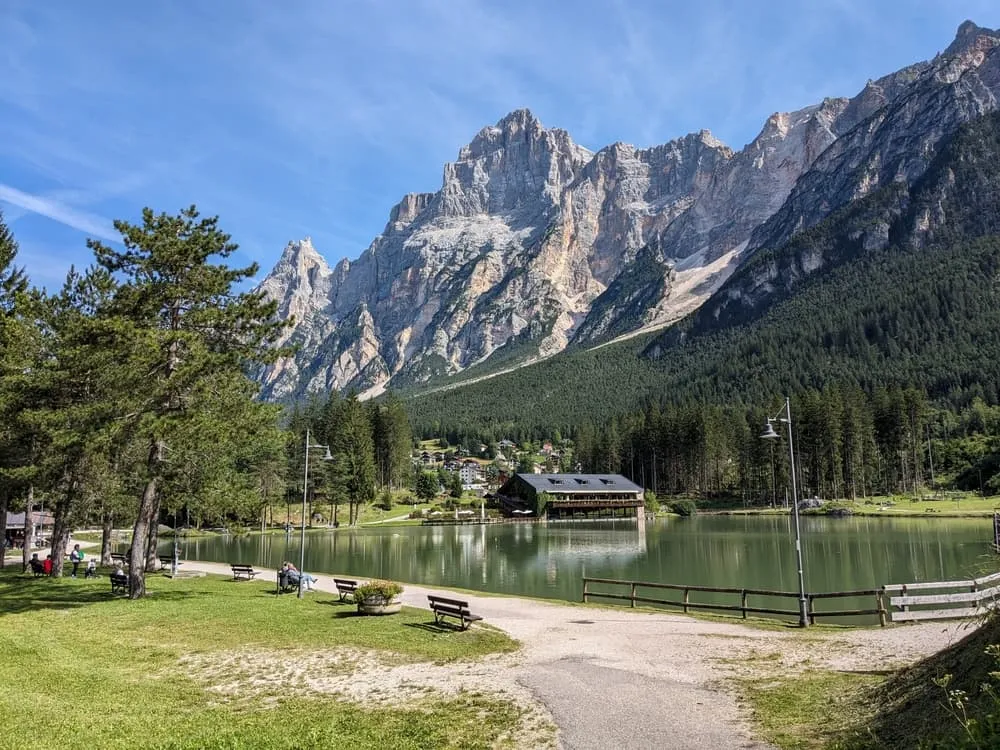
(354, 455)
(13, 286)
(181, 324)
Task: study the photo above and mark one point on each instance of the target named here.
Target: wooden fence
(744, 606)
(970, 600)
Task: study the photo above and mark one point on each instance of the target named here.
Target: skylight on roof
(582, 481)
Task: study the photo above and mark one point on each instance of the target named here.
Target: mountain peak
(519, 118)
(301, 254)
(967, 37)
(520, 123)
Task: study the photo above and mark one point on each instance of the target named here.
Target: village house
(470, 472)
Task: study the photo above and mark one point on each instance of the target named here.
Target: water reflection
(548, 560)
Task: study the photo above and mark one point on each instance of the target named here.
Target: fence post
(906, 607)
(812, 611)
(584, 590)
(687, 593)
(743, 603)
(880, 605)
(632, 601)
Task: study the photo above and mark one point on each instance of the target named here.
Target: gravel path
(613, 678)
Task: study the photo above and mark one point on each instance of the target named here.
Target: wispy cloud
(82, 221)
(315, 117)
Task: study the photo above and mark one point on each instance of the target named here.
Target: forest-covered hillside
(900, 288)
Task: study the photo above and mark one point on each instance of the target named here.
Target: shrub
(385, 590)
(385, 500)
(652, 504)
(683, 507)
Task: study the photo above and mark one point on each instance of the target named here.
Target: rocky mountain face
(874, 180)
(534, 243)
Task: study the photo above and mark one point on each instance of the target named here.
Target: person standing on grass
(47, 565)
(76, 557)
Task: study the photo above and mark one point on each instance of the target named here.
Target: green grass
(87, 536)
(913, 711)
(110, 673)
(945, 505)
(810, 710)
(907, 709)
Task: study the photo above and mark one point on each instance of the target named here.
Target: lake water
(549, 560)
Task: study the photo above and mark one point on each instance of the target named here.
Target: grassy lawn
(946, 504)
(83, 668)
(808, 711)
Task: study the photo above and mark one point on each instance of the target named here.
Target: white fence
(967, 599)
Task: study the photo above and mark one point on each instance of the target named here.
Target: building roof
(564, 483)
(39, 518)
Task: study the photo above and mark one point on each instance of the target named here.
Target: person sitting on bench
(292, 576)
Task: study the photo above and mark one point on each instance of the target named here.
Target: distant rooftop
(563, 483)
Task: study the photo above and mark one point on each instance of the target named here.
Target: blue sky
(314, 117)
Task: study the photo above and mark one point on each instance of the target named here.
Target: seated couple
(289, 576)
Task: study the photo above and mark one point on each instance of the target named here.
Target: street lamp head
(769, 433)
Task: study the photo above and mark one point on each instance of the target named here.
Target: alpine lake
(549, 560)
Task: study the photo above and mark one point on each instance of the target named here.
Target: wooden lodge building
(557, 496)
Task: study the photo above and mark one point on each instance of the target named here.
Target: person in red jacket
(47, 565)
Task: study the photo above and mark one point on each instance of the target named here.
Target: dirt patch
(262, 677)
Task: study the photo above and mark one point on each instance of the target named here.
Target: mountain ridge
(534, 243)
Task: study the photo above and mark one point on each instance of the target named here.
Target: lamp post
(770, 434)
(305, 495)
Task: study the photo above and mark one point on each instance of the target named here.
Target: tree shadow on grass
(334, 603)
(24, 593)
(350, 613)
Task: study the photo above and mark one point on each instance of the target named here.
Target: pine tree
(180, 324)
(354, 455)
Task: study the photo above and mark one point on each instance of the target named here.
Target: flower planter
(376, 605)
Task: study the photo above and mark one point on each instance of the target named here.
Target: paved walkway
(612, 678)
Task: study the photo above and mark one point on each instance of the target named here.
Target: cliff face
(533, 242)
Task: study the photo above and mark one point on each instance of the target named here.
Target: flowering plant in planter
(378, 597)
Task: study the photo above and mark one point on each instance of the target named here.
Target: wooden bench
(345, 588)
(119, 584)
(241, 571)
(118, 558)
(167, 561)
(443, 607)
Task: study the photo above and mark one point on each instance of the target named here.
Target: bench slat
(443, 600)
(451, 611)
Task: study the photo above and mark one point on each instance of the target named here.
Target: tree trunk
(148, 508)
(29, 529)
(107, 529)
(3, 527)
(60, 540)
(152, 561)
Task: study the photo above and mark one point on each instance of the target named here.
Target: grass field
(950, 504)
(81, 668)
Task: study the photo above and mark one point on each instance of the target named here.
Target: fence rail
(743, 607)
(977, 600)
